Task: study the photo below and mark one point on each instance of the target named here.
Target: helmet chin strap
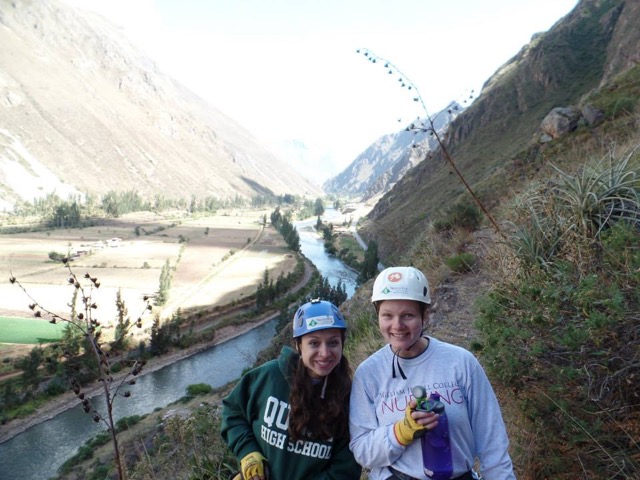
(317, 381)
(324, 387)
(396, 360)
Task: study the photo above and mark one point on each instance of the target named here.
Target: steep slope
(492, 139)
(80, 104)
(376, 170)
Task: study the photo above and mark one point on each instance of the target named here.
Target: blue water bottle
(436, 444)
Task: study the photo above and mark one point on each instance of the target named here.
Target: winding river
(38, 452)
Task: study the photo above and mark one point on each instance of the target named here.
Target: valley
(213, 261)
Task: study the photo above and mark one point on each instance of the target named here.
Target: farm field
(214, 260)
(28, 331)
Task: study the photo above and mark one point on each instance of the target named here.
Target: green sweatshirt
(255, 418)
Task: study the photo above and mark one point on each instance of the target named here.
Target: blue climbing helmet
(317, 315)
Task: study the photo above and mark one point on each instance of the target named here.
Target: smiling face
(400, 322)
(321, 351)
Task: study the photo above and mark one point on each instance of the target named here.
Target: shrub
(198, 389)
(56, 256)
(622, 106)
(462, 263)
(56, 387)
(466, 215)
(127, 422)
(99, 472)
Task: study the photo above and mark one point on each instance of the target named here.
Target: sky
(289, 72)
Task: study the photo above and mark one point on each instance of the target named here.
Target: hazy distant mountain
(311, 161)
(377, 169)
(82, 110)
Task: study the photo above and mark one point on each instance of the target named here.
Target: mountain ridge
(500, 131)
(100, 115)
(381, 165)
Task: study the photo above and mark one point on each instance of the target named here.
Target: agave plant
(578, 208)
(599, 196)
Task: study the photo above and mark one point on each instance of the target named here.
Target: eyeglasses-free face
(321, 351)
(401, 323)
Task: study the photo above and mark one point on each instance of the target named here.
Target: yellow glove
(407, 429)
(252, 465)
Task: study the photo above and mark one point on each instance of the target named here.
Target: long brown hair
(320, 418)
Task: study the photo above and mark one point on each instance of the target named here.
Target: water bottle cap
(419, 391)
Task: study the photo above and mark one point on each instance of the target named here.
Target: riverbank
(69, 400)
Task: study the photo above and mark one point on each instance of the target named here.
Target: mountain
(376, 170)
(83, 110)
(496, 142)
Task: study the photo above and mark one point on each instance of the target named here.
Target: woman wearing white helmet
(384, 423)
(288, 418)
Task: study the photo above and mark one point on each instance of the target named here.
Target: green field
(29, 330)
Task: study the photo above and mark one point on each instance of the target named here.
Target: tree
(123, 323)
(157, 340)
(266, 292)
(370, 263)
(324, 290)
(164, 284)
(65, 215)
(110, 204)
(318, 207)
(30, 365)
(286, 229)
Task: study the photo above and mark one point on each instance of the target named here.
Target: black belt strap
(398, 475)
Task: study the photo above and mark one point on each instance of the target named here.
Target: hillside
(548, 296)
(83, 111)
(496, 141)
(376, 170)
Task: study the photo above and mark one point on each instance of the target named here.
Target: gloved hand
(407, 429)
(252, 465)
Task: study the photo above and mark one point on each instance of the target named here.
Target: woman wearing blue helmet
(288, 418)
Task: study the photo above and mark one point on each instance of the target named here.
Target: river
(312, 246)
(38, 452)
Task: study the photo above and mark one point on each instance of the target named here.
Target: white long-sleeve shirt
(378, 401)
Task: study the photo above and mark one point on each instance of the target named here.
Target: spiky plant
(574, 209)
(85, 321)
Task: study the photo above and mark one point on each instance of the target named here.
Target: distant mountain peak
(377, 169)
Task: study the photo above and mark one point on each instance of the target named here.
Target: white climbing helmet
(401, 283)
